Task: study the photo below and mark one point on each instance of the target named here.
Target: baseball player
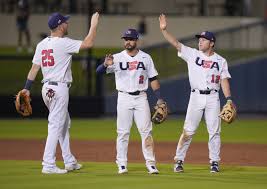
(54, 56)
(133, 69)
(207, 72)
(23, 14)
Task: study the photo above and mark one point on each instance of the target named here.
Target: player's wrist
(157, 93)
(228, 98)
(28, 84)
(160, 101)
(164, 29)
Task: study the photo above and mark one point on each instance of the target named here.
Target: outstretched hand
(108, 60)
(162, 22)
(94, 19)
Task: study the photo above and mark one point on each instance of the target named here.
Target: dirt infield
(104, 151)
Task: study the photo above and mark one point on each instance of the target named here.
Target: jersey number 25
(47, 58)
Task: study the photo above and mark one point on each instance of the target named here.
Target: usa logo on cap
(207, 35)
(130, 33)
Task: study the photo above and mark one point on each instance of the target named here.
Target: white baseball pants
(210, 106)
(58, 125)
(129, 108)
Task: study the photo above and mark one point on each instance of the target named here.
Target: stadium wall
(247, 86)
(111, 27)
(91, 107)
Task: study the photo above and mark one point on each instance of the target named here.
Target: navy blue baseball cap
(207, 35)
(130, 33)
(56, 19)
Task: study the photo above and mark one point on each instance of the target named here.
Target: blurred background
(240, 27)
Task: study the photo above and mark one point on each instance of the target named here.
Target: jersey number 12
(215, 78)
(47, 58)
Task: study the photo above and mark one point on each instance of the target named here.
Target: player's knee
(214, 135)
(145, 133)
(123, 133)
(149, 143)
(187, 135)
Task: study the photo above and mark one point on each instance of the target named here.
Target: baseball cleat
(214, 167)
(53, 170)
(122, 170)
(178, 167)
(73, 167)
(152, 169)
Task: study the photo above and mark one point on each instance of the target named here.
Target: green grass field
(27, 174)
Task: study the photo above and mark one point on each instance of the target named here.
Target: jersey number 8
(47, 58)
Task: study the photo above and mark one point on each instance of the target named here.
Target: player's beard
(130, 47)
(66, 31)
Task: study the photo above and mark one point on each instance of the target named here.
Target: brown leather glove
(228, 113)
(23, 104)
(160, 112)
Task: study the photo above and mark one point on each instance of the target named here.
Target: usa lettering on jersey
(135, 65)
(207, 64)
(132, 73)
(213, 68)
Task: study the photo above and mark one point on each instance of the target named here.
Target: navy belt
(56, 83)
(206, 92)
(132, 93)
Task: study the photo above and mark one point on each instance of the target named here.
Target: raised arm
(88, 41)
(169, 37)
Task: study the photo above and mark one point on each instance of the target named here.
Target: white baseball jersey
(132, 73)
(54, 54)
(205, 72)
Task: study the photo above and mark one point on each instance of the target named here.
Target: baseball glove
(160, 113)
(22, 103)
(228, 113)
